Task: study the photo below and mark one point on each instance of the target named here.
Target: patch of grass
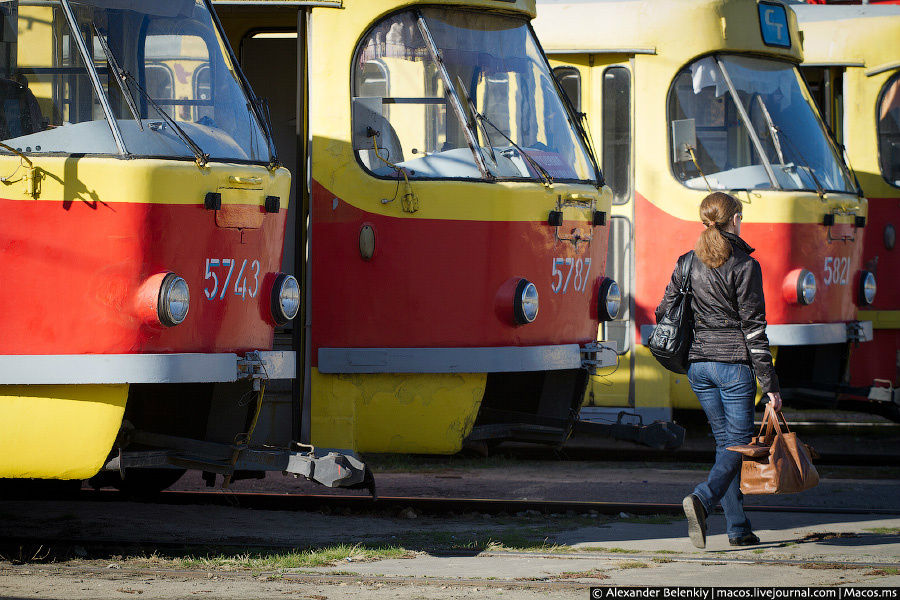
(829, 566)
(884, 530)
(615, 550)
(665, 552)
(884, 571)
(759, 551)
(592, 574)
(633, 564)
(661, 560)
(320, 557)
(652, 519)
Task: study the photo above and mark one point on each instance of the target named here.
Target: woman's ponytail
(716, 212)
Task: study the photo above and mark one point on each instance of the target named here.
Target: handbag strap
(686, 273)
(770, 422)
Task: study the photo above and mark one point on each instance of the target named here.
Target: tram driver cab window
(889, 130)
(489, 110)
(738, 122)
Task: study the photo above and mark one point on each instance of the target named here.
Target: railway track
(641, 454)
(439, 506)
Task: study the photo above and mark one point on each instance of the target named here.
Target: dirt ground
(120, 549)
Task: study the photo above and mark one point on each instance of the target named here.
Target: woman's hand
(775, 400)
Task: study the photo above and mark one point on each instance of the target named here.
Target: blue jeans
(726, 392)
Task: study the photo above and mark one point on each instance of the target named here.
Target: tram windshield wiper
(471, 104)
(119, 76)
(545, 176)
(123, 78)
(776, 140)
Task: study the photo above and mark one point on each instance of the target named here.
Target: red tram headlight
(799, 287)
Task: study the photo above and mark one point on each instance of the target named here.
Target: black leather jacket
(729, 312)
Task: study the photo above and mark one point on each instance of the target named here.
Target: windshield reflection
(772, 139)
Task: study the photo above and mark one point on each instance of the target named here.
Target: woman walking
(729, 337)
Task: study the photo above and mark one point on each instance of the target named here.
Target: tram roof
(861, 35)
(675, 27)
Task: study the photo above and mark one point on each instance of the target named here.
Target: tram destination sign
(773, 24)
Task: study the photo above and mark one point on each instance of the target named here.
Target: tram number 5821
(219, 273)
(837, 270)
(569, 270)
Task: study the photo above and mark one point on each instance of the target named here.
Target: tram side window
(174, 61)
(45, 89)
(617, 132)
(889, 130)
(569, 79)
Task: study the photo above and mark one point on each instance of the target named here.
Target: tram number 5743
(837, 270)
(570, 270)
(219, 272)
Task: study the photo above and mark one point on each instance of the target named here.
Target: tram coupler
(661, 435)
(329, 467)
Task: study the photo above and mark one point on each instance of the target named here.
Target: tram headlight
(867, 288)
(525, 302)
(609, 300)
(806, 287)
(174, 300)
(799, 287)
(285, 298)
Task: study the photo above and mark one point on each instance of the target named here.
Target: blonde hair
(716, 212)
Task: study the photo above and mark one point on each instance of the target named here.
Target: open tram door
(270, 41)
(606, 78)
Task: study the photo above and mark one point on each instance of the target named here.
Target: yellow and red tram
(852, 61)
(453, 219)
(144, 216)
(689, 97)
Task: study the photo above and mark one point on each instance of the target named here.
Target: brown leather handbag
(775, 461)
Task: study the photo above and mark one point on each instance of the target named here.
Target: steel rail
(431, 505)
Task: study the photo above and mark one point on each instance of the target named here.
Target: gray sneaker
(696, 516)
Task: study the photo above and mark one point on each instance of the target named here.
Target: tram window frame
(567, 72)
(893, 80)
(610, 138)
(623, 324)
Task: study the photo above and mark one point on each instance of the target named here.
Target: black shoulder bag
(671, 339)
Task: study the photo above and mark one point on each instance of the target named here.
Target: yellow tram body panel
(432, 414)
(67, 434)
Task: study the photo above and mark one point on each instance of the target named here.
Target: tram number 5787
(219, 273)
(570, 270)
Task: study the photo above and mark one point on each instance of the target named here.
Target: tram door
(265, 39)
(602, 87)
(269, 60)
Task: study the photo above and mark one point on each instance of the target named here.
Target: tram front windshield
(489, 108)
(748, 123)
(174, 81)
